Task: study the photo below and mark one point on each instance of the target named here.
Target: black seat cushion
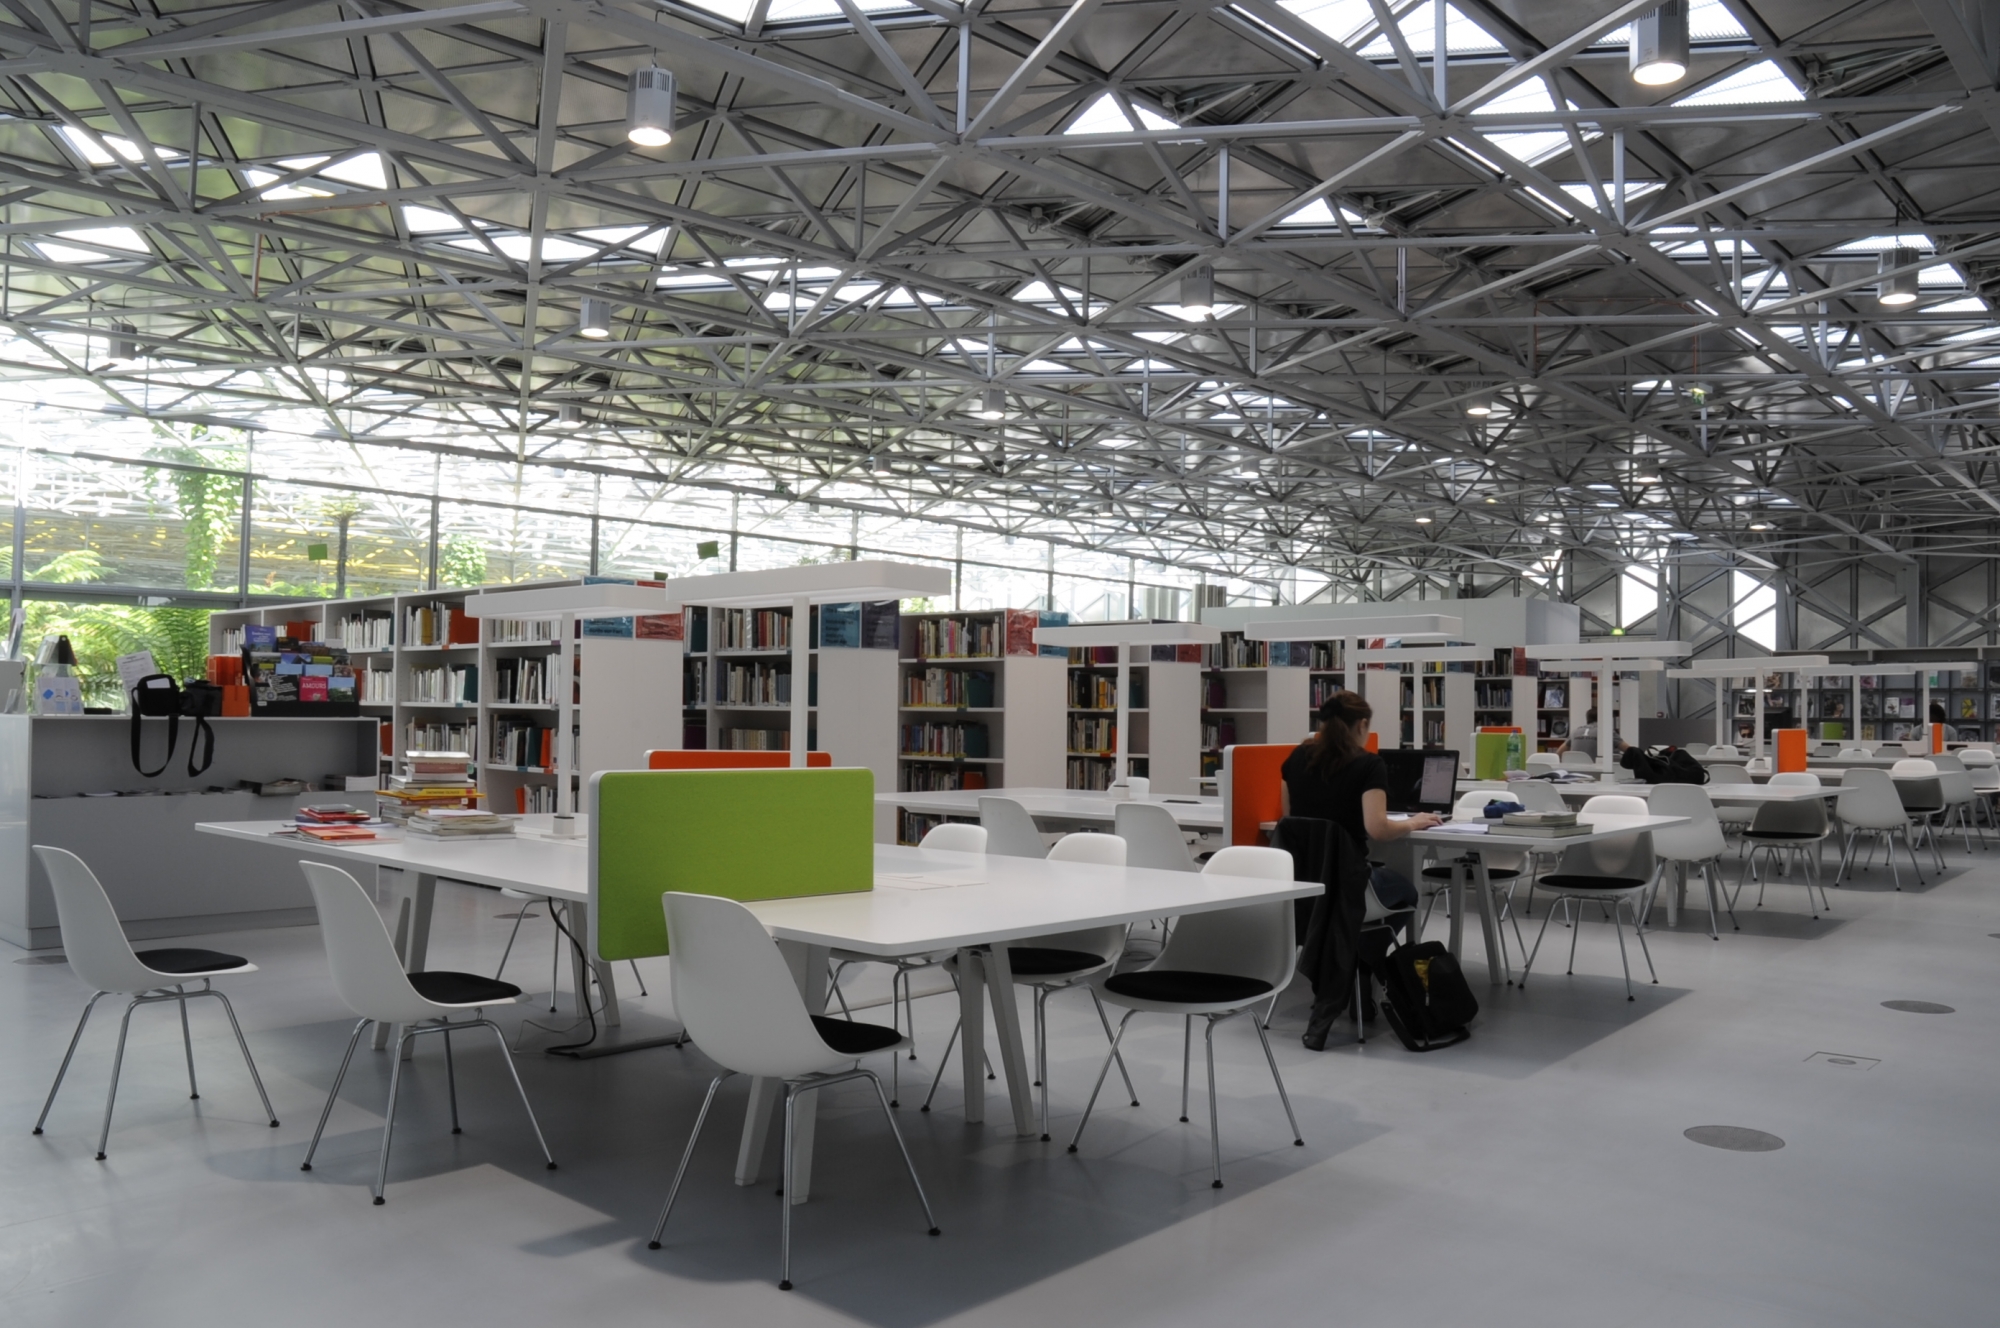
(1036, 961)
(1492, 873)
(448, 988)
(1754, 833)
(1183, 987)
(1567, 881)
(854, 1039)
(176, 959)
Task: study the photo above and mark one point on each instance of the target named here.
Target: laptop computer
(1422, 780)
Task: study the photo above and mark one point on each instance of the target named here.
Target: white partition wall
(1383, 690)
(1174, 726)
(856, 718)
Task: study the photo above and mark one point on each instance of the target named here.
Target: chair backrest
(1697, 841)
(1616, 804)
(1088, 846)
(956, 837)
(1957, 786)
(1473, 803)
(92, 940)
(1695, 748)
(1542, 761)
(1805, 816)
(1917, 747)
(1152, 837)
(734, 994)
(1103, 851)
(1757, 765)
(1973, 757)
(1010, 831)
(1869, 801)
(1254, 941)
(1729, 774)
(1947, 761)
(1849, 753)
(1538, 795)
(1913, 765)
(367, 976)
(1794, 779)
(1724, 749)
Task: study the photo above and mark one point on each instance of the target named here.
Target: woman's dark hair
(1342, 717)
(1937, 713)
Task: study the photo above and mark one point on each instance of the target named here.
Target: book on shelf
(945, 740)
(949, 689)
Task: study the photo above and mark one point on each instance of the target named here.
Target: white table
(1469, 861)
(1051, 804)
(1750, 795)
(529, 861)
(1008, 899)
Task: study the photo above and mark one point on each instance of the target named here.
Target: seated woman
(1334, 777)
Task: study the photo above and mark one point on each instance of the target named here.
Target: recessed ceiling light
(1492, 500)
(1649, 479)
(1760, 525)
(1423, 521)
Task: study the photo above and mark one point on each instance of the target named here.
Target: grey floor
(1536, 1175)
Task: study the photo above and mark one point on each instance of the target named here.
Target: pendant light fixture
(1198, 293)
(1660, 45)
(993, 406)
(649, 107)
(594, 321)
(1897, 289)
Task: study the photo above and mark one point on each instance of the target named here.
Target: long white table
(1468, 863)
(1052, 804)
(530, 861)
(926, 901)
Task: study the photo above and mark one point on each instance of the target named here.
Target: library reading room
(788, 563)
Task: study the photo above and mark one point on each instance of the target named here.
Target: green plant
(461, 561)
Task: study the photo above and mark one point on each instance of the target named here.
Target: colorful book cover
(312, 689)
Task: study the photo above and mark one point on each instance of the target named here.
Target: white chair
(1922, 792)
(949, 837)
(1503, 870)
(1696, 749)
(1541, 761)
(1699, 843)
(1735, 817)
(1010, 831)
(1724, 749)
(1216, 965)
(1985, 771)
(556, 911)
(739, 1004)
(1960, 794)
(1610, 872)
(1049, 964)
(1793, 779)
(1869, 803)
(97, 951)
(1152, 837)
(371, 982)
(1853, 753)
(1795, 829)
(1757, 765)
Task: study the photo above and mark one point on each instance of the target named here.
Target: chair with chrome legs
(1215, 966)
(739, 1004)
(98, 952)
(371, 982)
(555, 952)
(1608, 872)
(1697, 843)
(1870, 803)
(1922, 791)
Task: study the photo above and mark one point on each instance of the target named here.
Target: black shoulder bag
(158, 696)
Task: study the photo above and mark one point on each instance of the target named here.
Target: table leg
(1497, 967)
(607, 982)
(808, 966)
(972, 1032)
(1007, 1023)
(1677, 897)
(1455, 937)
(416, 953)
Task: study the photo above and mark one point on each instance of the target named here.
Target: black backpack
(157, 695)
(1669, 766)
(1429, 1002)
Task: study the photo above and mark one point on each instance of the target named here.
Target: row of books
(1092, 735)
(694, 681)
(752, 629)
(456, 685)
(1235, 652)
(1320, 689)
(363, 631)
(522, 744)
(946, 740)
(942, 778)
(1216, 736)
(530, 799)
(761, 740)
(957, 638)
(755, 684)
(521, 682)
(1099, 691)
(438, 624)
(378, 685)
(430, 735)
(953, 688)
(1493, 695)
(1091, 775)
(520, 632)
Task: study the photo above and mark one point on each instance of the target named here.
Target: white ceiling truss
(872, 213)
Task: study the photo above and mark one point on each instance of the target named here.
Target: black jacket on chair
(1331, 944)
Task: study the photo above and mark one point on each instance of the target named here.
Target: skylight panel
(794, 11)
(1106, 116)
(1634, 190)
(736, 11)
(1761, 82)
(259, 179)
(1875, 244)
(1971, 304)
(430, 221)
(1708, 21)
(648, 240)
(120, 149)
(1419, 24)
(1342, 20)
(106, 244)
(1319, 213)
(1534, 146)
(363, 170)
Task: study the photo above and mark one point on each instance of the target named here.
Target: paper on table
(1464, 827)
(937, 880)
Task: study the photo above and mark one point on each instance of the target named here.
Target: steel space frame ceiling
(876, 211)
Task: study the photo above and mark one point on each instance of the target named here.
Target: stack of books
(458, 823)
(1543, 825)
(430, 780)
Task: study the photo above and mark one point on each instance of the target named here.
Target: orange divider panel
(732, 760)
(1791, 749)
(1256, 791)
(1937, 737)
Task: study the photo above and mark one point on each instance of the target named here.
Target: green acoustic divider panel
(741, 834)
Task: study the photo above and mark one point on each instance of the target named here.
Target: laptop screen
(1421, 781)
